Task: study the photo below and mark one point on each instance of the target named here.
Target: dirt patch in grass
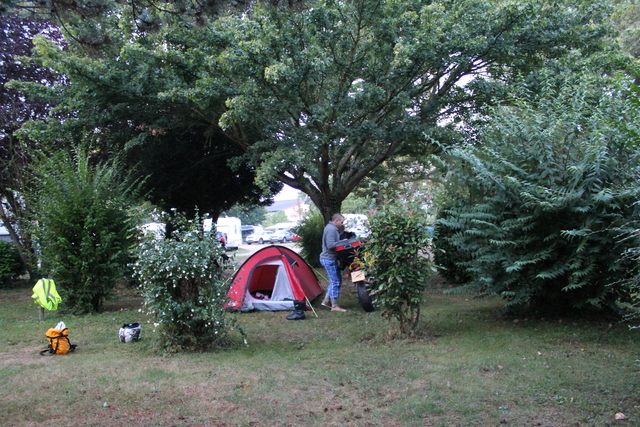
(14, 296)
(123, 303)
(21, 357)
(125, 297)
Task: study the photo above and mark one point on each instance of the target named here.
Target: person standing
(329, 260)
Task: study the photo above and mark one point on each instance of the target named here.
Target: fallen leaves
(620, 416)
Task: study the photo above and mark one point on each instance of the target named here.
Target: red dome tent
(271, 279)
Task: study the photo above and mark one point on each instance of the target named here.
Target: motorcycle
(350, 256)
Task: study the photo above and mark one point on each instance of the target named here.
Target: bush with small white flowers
(184, 290)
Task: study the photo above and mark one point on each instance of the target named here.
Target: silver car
(281, 236)
(259, 237)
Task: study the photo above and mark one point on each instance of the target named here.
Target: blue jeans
(335, 280)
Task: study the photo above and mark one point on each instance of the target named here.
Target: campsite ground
(468, 366)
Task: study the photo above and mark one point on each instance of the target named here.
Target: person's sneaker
(337, 308)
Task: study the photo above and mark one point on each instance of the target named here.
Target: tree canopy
(336, 88)
(315, 94)
(114, 101)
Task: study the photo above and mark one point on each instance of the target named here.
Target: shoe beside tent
(272, 279)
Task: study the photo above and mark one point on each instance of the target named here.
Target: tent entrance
(269, 288)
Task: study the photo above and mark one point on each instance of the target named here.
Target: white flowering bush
(184, 291)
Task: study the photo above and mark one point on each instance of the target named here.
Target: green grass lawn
(468, 366)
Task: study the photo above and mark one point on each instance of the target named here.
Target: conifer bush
(181, 280)
(84, 230)
(550, 188)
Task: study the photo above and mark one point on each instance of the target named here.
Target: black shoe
(299, 308)
(297, 315)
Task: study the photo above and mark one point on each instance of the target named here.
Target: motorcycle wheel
(363, 296)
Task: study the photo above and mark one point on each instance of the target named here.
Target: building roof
(282, 226)
(282, 205)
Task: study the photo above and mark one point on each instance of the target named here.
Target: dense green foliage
(10, 263)
(552, 187)
(298, 93)
(352, 93)
(632, 256)
(310, 231)
(449, 259)
(116, 94)
(632, 283)
(84, 232)
(627, 20)
(397, 258)
(273, 218)
(183, 288)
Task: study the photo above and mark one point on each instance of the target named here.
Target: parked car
(259, 237)
(295, 237)
(281, 236)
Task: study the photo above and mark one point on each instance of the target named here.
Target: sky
(287, 193)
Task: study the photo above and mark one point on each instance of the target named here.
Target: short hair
(337, 216)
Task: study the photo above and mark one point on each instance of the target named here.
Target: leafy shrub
(183, 289)
(558, 181)
(310, 231)
(397, 260)
(449, 259)
(632, 283)
(10, 263)
(84, 231)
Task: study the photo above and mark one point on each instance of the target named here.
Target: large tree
(319, 94)
(338, 87)
(116, 103)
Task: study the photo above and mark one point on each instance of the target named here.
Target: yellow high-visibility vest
(45, 294)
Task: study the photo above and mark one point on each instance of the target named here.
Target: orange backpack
(58, 342)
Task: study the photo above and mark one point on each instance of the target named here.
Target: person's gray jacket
(330, 239)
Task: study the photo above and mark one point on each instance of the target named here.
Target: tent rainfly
(271, 279)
